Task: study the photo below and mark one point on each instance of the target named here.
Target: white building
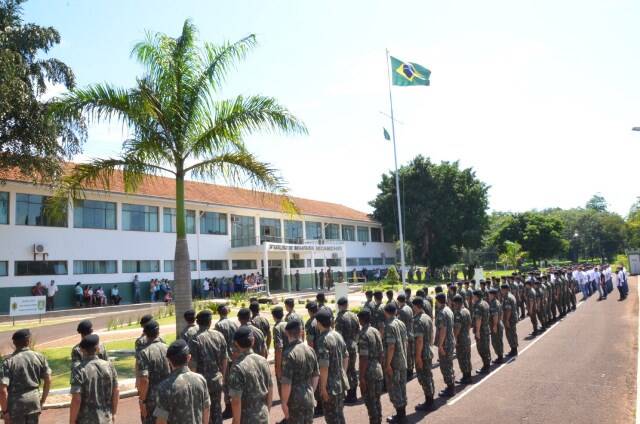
(110, 236)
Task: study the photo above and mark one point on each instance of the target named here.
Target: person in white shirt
(52, 289)
(623, 286)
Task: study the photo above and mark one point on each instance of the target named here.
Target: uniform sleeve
(105, 354)
(390, 336)
(287, 372)
(114, 375)
(363, 346)
(44, 369)
(161, 400)
(206, 400)
(316, 369)
(143, 364)
(76, 380)
(76, 355)
(267, 374)
(236, 383)
(418, 328)
(323, 355)
(277, 338)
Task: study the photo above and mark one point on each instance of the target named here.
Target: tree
(444, 209)
(513, 255)
(633, 225)
(30, 137)
(179, 127)
(597, 203)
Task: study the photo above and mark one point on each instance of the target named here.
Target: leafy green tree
(444, 209)
(513, 255)
(30, 137)
(633, 225)
(392, 275)
(597, 203)
(179, 127)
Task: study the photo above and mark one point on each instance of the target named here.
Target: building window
(139, 218)
(293, 232)
(270, 230)
(95, 267)
(319, 263)
(4, 268)
(332, 232)
(40, 268)
(314, 230)
(213, 223)
(376, 261)
(334, 262)
(363, 234)
(134, 267)
(390, 261)
(168, 265)
(352, 261)
(94, 214)
(243, 264)
(4, 208)
(296, 263)
(243, 231)
(348, 233)
(214, 265)
(31, 209)
(169, 220)
(376, 235)
(364, 261)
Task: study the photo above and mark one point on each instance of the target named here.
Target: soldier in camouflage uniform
(482, 330)
(405, 314)
(347, 325)
(311, 333)
(183, 396)
(540, 304)
(530, 296)
(461, 326)
(209, 358)
(395, 367)
(510, 319)
(191, 328)
(85, 327)
(250, 384)
(280, 342)
(377, 312)
(332, 351)
(153, 367)
(369, 365)
(497, 327)
(260, 322)
(228, 328)
(20, 377)
(300, 376)
(141, 342)
(259, 347)
(423, 333)
(321, 300)
(445, 341)
(94, 387)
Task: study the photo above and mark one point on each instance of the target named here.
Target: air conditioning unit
(39, 249)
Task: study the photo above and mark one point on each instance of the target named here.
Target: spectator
(38, 289)
(152, 290)
(230, 287)
(377, 275)
(419, 275)
(115, 295)
(52, 289)
(136, 289)
(206, 288)
(87, 295)
(101, 297)
(296, 278)
(77, 292)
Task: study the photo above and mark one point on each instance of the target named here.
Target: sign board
(634, 264)
(341, 290)
(305, 247)
(478, 274)
(27, 305)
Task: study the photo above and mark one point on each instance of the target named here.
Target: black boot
(351, 397)
(450, 391)
(499, 360)
(513, 352)
(484, 370)
(398, 417)
(409, 375)
(426, 406)
(466, 379)
(227, 413)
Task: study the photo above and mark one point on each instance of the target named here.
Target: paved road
(583, 369)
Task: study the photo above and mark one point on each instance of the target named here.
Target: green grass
(6, 327)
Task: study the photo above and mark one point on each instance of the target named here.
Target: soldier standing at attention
(85, 328)
(530, 297)
(332, 361)
(510, 319)
(321, 300)
(405, 314)
(461, 326)
(94, 387)
(300, 376)
(141, 342)
(390, 298)
(423, 332)
(348, 326)
(445, 341)
(244, 316)
(497, 328)
(260, 322)
(182, 397)
(228, 329)
(209, 359)
(368, 303)
(280, 342)
(20, 377)
(191, 329)
(482, 330)
(395, 364)
(311, 332)
(377, 313)
(250, 384)
(370, 357)
(153, 367)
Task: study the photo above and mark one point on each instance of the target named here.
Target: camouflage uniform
(428, 306)
(331, 350)
(395, 334)
(293, 315)
(495, 310)
(76, 354)
(348, 326)
(182, 397)
(250, 379)
(423, 327)
(405, 314)
(310, 331)
(259, 344)
(152, 363)
(228, 328)
(444, 322)
(95, 380)
(481, 313)
(370, 347)
(189, 333)
(462, 323)
(510, 304)
(299, 366)
(281, 343)
(263, 325)
(208, 355)
(22, 373)
(377, 316)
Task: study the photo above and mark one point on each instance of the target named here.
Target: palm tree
(513, 254)
(177, 126)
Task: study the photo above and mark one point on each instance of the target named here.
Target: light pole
(575, 238)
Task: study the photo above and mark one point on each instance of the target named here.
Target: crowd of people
(225, 287)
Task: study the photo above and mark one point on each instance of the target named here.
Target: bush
(356, 309)
(392, 275)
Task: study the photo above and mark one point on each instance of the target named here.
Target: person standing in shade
(280, 342)
(94, 387)
(461, 326)
(482, 330)
(250, 384)
(315, 279)
(136, 289)
(300, 374)
(191, 329)
(497, 328)
(348, 326)
(332, 361)
(85, 328)
(423, 333)
(228, 328)
(153, 367)
(260, 322)
(296, 278)
(395, 366)
(20, 376)
(405, 314)
(510, 319)
(445, 341)
(182, 397)
(321, 275)
(370, 358)
(52, 289)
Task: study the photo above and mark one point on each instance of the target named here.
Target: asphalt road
(583, 369)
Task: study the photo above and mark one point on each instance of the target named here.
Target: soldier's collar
(22, 349)
(181, 370)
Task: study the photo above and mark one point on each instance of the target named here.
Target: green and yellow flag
(408, 74)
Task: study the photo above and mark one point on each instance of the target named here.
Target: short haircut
(277, 312)
(189, 315)
(254, 307)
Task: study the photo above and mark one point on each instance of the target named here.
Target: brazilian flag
(407, 73)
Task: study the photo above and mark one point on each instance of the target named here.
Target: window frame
(146, 212)
(7, 202)
(43, 215)
(345, 232)
(83, 272)
(206, 216)
(53, 263)
(139, 269)
(83, 208)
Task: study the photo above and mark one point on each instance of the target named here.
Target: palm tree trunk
(182, 268)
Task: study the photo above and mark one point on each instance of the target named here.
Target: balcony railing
(258, 240)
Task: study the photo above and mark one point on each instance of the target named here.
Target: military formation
(216, 371)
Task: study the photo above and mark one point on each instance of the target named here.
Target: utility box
(634, 263)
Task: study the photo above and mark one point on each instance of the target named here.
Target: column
(313, 269)
(265, 257)
(287, 270)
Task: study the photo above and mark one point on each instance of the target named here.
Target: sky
(537, 96)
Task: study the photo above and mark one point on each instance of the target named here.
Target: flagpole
(395, 160)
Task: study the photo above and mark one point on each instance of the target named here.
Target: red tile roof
(219, 195)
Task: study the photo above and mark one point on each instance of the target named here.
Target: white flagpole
(395, 160)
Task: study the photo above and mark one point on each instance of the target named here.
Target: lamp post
(575, 238)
